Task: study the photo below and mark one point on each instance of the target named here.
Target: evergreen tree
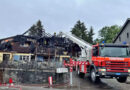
(80, 30)
(32, 30)
(90, 35)
(37, 29)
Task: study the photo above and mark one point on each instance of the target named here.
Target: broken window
(24, 45)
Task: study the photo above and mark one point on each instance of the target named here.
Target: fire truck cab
(110, 60)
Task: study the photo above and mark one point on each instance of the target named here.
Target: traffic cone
(50, 80)
(11, 82)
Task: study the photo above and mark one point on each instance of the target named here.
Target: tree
(108, 33)
(37, 29)
(80, 30)
(32, 30)
(96, 41)
(90, 35)
(40, 30)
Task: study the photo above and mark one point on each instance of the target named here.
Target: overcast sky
(16, 16)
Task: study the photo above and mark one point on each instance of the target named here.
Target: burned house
(19, 43)
(23, 47)
(18, 47)
(35, 57)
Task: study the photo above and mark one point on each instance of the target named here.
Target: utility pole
(71, 78)
(36, 52)
(49, 56)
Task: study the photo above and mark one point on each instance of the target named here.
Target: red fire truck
(101, 60)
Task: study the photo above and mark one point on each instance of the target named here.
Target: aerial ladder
(84, 46)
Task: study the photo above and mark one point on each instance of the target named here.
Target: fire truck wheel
(81, 75)
(122, 79)
(93, 76)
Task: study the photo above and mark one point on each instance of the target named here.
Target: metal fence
(31, 72)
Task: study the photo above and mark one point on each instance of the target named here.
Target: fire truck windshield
(114, 52)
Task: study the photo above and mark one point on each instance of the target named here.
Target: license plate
(118, 74)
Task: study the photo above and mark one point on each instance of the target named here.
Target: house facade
(27, 48)
(124, 35)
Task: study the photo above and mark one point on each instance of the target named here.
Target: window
(95, 51)
(120, 39)
(24, 45)
(25, 58)
(21, 58)
(114, 51)
(127, 35)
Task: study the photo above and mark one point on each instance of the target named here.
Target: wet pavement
(104, 84)
(85, 84)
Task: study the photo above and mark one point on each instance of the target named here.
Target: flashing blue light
(103, 42)
(125, 42)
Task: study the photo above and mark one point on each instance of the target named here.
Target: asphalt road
(104, 84)
(85, 84)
